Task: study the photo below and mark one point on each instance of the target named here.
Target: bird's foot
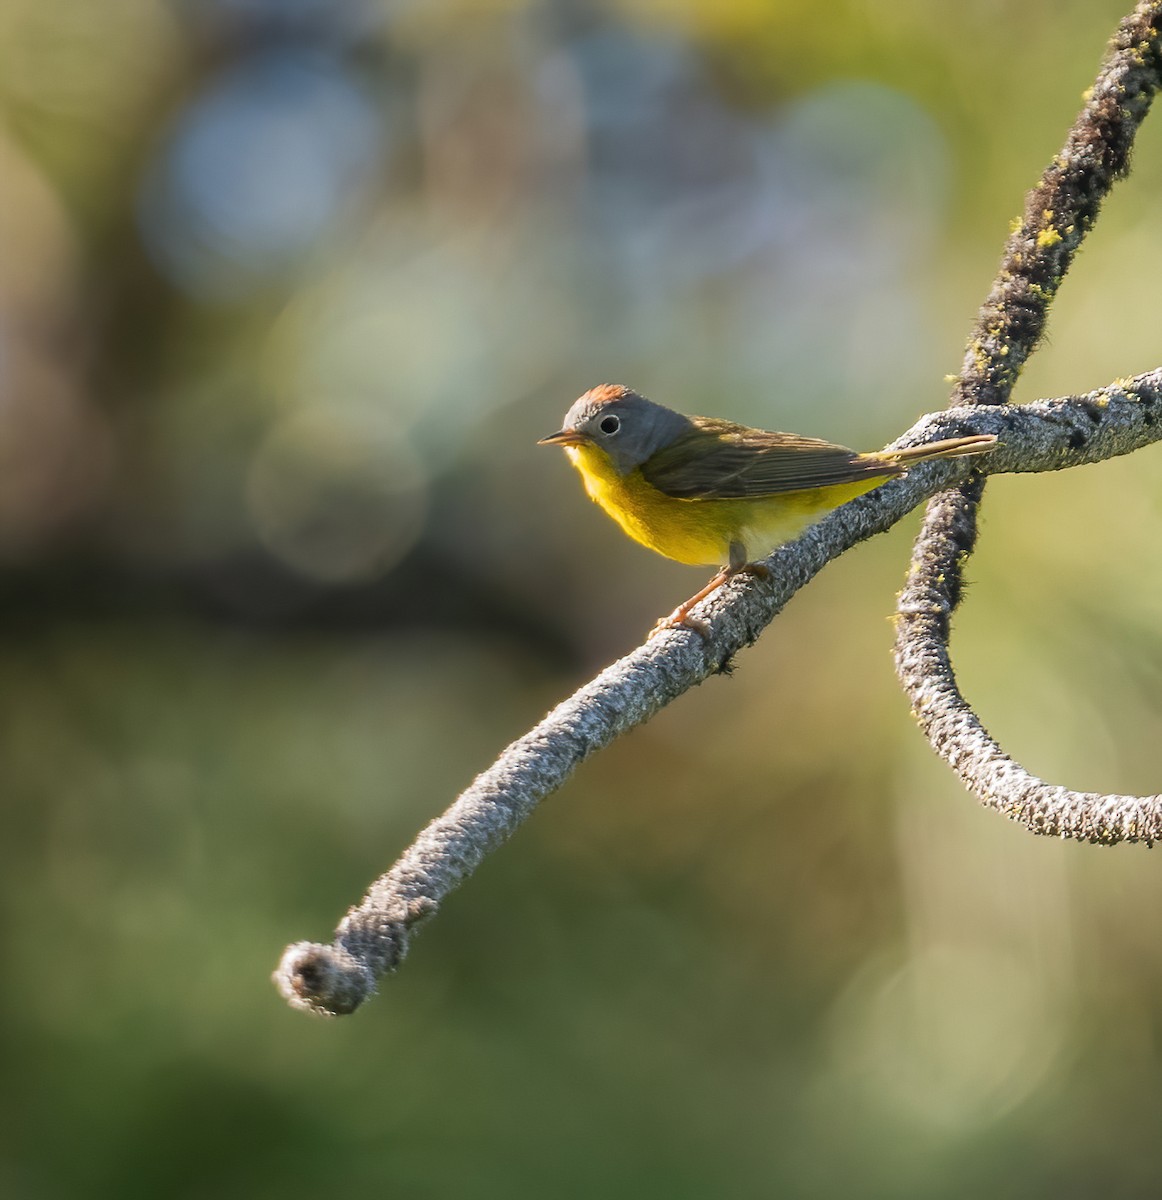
(680, 618)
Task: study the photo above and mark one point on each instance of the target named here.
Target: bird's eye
(610, 424)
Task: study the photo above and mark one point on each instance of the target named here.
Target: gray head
(628, 427)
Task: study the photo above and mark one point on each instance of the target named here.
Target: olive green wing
(721, 460)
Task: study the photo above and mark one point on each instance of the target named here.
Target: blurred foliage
(289, 289)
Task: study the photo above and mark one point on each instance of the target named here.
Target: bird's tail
(961, 447)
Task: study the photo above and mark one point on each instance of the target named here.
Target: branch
(1059, 211)
(953, 728)
(373, 938)
(1062, 209)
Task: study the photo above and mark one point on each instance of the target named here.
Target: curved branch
(1059, 211)
(373, 938)
(922, 661)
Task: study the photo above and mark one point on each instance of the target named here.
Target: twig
(1058, 213)
(1062, 209)
(373, 938)
(954, 729)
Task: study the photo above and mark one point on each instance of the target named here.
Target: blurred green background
(288, 289)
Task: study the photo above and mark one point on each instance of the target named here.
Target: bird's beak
(566, 437)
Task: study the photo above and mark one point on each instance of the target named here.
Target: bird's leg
(680, 618)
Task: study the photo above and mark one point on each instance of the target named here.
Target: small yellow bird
(705, 491)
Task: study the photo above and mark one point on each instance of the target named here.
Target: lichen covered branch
(1059, 211)
(952, 727)
(1062, 209)
(373, 938)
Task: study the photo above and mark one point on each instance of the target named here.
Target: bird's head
(627, 427)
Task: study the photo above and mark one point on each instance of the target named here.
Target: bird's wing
(721, 460)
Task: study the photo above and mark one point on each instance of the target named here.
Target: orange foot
(680, 618)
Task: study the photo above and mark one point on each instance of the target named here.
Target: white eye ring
(610, 424)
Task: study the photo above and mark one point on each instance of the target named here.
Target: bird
(707, 491)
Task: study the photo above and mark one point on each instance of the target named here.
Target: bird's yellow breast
(700, 531)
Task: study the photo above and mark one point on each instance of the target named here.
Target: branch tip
(327, 980)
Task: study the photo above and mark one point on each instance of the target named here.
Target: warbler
(706, 491)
